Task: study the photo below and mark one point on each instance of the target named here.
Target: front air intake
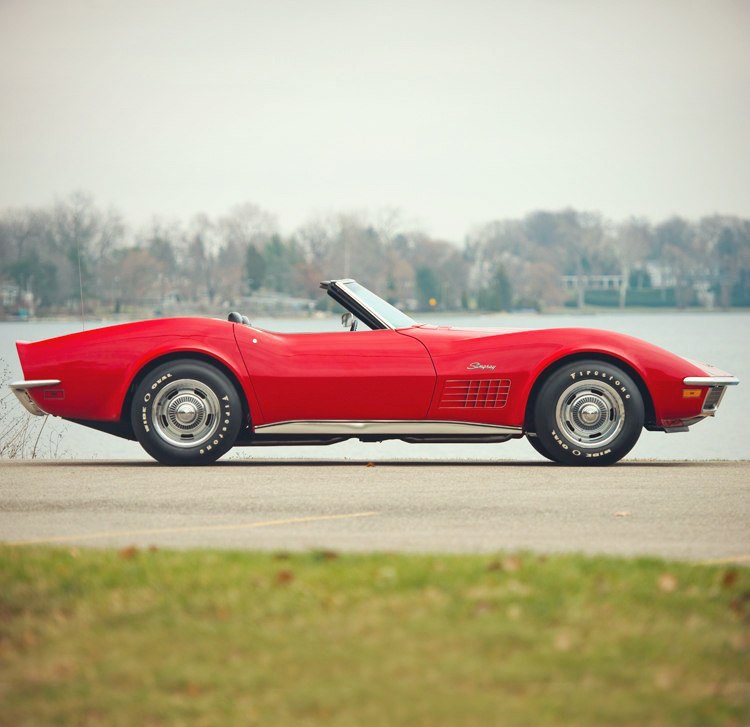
(713, 399)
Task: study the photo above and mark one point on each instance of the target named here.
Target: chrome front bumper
(717, 387)
(21, 390)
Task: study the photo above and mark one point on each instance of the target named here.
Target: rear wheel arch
(545, 374)
(147, 368)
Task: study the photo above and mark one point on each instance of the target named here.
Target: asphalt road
(684, 510)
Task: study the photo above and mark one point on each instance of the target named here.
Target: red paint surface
(362, 375)
(522, 356)
(343, 375)
(96, 367)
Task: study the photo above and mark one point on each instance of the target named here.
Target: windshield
(390, 315)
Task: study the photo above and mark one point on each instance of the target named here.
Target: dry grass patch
(207, 637)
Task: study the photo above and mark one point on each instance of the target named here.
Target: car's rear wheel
(588, 413)
(186, 412)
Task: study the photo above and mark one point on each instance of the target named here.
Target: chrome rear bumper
(21, 390)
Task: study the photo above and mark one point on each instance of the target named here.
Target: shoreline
(426, 315)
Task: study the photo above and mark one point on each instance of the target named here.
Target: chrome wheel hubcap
(590, 414)
(186, 413)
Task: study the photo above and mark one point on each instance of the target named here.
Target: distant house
(660, 275)
(592, 282)
(16, 302)
(9, 294)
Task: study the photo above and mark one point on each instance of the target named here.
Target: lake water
(722, 339)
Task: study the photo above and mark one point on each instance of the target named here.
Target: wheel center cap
(186, 413)
(589, 413)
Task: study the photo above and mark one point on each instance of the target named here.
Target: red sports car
(189, 389)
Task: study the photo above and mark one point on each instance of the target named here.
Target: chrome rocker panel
(415, 432)
(384, 426)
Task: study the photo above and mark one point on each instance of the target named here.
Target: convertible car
(189, 389)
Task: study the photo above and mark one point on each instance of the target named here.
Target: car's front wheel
(588, 413)
(186, 412)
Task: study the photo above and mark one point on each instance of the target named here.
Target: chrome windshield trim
(21, 390)
(341, 291)
(343, 285)
(711, 381)
(383, 426)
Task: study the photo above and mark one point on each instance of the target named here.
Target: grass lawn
(220, 638)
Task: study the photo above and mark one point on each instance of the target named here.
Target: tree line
(52, 256)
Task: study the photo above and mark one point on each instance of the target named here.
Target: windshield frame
(370, 308)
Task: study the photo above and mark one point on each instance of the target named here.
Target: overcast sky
(455, 111)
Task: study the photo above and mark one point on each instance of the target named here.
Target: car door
(348, 375)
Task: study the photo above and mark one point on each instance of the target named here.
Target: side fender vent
(475, 394)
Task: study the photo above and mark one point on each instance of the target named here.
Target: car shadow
(301, 463)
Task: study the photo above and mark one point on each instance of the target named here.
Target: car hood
(459, 332)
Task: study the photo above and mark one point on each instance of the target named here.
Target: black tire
(186, 412)
(588, 413)
(539, 447)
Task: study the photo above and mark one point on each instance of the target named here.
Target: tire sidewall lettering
(581, 374)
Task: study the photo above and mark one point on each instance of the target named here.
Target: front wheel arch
(588, 413)
(147, 368)
(648, 403)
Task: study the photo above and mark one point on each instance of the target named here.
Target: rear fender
(97, 368)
